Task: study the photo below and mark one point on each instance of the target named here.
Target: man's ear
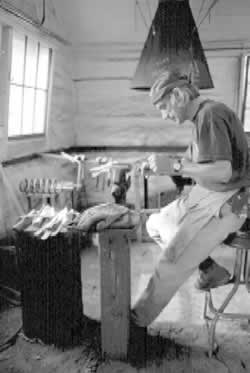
(179, 96)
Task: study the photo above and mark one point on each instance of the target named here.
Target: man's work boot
(211, 275)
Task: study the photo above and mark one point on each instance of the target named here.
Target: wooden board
(115, 292)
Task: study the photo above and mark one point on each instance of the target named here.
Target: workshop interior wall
(62, 96)
(108, 111)
(14, 203)
(92, 103)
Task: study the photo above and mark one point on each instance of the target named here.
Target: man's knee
(152, 224)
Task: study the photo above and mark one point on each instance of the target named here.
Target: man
(190, 228)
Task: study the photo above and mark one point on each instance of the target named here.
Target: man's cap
(165, 83)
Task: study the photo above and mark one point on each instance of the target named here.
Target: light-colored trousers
(187, 233)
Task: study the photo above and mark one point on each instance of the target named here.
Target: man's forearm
(219, 171)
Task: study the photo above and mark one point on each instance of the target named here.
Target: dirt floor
(164, 356)
(176, 341)
(27, 356)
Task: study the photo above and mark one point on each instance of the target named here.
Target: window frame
(39, 41)
(245, 86)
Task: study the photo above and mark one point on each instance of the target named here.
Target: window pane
(43, 68)
(31, 63)
(248, 96)
(15, 109)
(247, 121)
(17, 64)
(40, 110)
(28, 105)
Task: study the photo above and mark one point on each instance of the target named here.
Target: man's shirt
(218, 135)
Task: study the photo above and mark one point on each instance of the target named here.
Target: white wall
(108, 37)
(229, 20)
(98, 107)
(89, 21)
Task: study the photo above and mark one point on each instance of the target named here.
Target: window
(29, 82)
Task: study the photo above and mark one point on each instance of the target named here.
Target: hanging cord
(209, 17)
(151, 17)
(197, 26)
(208, 12)
(135, 16)
(149, 9)
(141, 12)
(200, 11)
(44, 13)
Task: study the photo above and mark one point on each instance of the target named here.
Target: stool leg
(205, 315)
(210, 323)
(210, 329)
(211, 336)
(237, 274)
(219, 312)
(246, 272)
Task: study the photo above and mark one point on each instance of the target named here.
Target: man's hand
(161, 164)
(186, 163)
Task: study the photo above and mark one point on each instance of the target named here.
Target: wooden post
(115, 292)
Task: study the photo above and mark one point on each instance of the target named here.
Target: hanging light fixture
(173, 40)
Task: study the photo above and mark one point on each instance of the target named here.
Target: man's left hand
(161, 164)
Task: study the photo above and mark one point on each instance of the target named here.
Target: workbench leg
(115, 293)
(136, 184)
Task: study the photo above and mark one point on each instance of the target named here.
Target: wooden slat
(115, 292)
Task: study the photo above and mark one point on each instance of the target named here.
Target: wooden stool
(241, 242)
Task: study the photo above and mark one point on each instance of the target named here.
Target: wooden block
(115, 292)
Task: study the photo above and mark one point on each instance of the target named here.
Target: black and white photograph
(124, 186)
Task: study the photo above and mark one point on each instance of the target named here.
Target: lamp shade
(173, 40)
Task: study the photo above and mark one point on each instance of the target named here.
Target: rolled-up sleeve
(213, 138)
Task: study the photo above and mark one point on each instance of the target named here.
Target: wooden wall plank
(110, 113)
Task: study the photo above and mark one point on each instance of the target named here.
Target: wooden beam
(115, 292)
